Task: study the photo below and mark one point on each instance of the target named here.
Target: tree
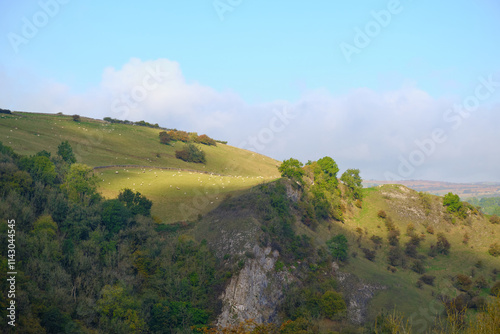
(494, 249)
(353, 182)
(45, 224)
(137, 204)
(495, 219)
(65, 151)
(42, 169)
(191, 153)
(442, 246)
(114, 215)
(55, 321)
(117, 307)
(330, 169)
(369, 254)
(206, 140)
(291, 168)
(11, 178)
(454, 205)
(338, 247)
(165, 137)
(80, 184)
(332, 303)
(179, 135)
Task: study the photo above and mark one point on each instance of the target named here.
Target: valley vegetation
(89, 263)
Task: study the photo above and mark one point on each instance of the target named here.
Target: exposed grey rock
(256, 292)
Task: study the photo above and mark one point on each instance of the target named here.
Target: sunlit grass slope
(405, 207)
(176, 195)
(98, 143)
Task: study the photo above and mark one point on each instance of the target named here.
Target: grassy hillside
(176, 195)
(236, 208)
(425, 213)
(99, 143)
(235, 221)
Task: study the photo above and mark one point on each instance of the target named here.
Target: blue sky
(234, 64)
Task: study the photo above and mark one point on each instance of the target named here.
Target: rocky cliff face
(257, 290)
(357, 294)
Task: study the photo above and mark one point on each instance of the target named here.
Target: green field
(176, 195)
(99, 143)
(404, 206)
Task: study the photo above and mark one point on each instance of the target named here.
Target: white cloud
(362, 129)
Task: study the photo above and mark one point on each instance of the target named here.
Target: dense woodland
(85, 263)
(89, 264)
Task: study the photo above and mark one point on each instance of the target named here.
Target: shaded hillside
(405, 273)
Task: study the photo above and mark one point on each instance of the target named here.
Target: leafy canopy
(291, 168)
(65, 151)
(80, 183)
(338, 247)
(353, 182)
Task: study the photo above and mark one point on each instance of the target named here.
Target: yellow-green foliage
(332, 303)
(487, 322)
(45, 224)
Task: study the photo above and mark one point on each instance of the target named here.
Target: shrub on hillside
(494, 249)
(205, 140)
(418, 267)
(410, 229)
(5, 111)
(495, 289)
(481, 282)
(411, 250)
(165, 137)
(179, 135)
(76, 118)
(454, 205)
(463, 282)
(369, 254)
(331, 303)
(442, 245)
(382, 214)
(338, 247)
(495, 219)
(395, 256)
(389, 224)
(428, 279)
(430, 229)
(376, 240)
(393, 237)
(191, 153)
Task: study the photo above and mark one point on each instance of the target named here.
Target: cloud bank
(400, 134)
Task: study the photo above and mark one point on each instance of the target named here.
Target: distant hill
(464, 190)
